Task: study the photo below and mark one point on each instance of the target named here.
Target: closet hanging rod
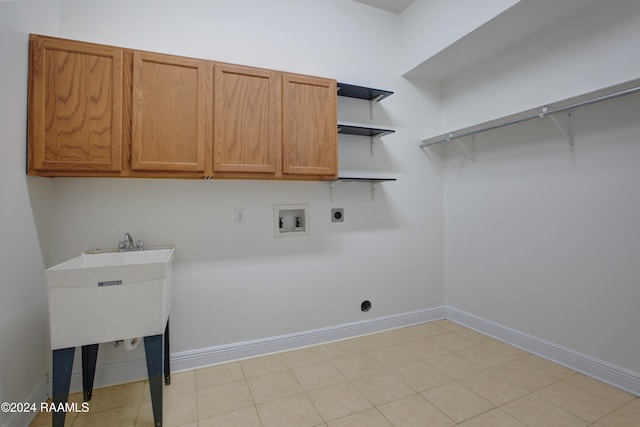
(544, 112)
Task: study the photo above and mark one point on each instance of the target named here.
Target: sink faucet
(128, 241)
(126, 245)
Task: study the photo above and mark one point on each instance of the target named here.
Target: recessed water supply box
(291, 220)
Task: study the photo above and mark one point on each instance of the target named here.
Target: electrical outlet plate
(291, 220)
(337, 215)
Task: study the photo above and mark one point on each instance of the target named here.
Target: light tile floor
(436, 374)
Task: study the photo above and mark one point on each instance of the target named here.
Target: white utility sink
(109, 296)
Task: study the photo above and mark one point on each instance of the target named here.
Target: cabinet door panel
(168, 115)
(75, 107)
(246, 125)
(309, 126)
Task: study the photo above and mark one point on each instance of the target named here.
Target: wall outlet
(337, 215)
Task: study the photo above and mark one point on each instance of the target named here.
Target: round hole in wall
(365, 306)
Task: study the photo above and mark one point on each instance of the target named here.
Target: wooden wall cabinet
(246, 120)
(309, 118)
(98, 110)
(169, 113)
(75, 108)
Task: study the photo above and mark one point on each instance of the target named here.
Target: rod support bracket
(468, 152)
(567, 133)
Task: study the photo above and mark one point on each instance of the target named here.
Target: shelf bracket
(373, 183)
(566, 133)
(468, 152)
(374, 139)
(332, 185)
(373, 102)
(373, 191)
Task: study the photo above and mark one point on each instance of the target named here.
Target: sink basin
(109, 296)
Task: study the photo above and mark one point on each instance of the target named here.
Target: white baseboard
(38, 395)
(133, 370)
(213, 355)
(606, 372)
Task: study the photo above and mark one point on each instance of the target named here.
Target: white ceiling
(395, 6)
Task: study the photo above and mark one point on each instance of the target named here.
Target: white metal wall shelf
(566, 106)
(373, 181)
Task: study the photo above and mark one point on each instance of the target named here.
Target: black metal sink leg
(167, 363)
(62, 367)
(89, 358)
(153, 353)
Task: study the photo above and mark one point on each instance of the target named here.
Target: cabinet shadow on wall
(197, 216)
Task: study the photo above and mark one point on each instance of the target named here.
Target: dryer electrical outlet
(337, 215)
(291, 220)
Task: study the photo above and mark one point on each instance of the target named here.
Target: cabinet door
(246, 125)
(75, 107)
(168, 114)
(309, 126)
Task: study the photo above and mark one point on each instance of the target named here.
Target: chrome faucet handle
(128, 240)
(122, 244)
(140, 244)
